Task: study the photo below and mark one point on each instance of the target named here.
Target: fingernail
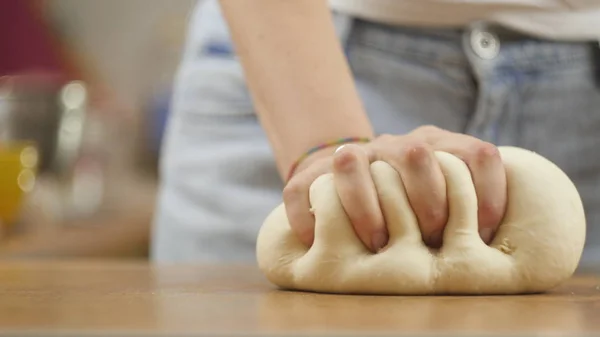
(379, 240)
(340, 148)
(486, 234)
(436, 238)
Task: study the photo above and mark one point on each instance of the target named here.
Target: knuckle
(486, 152)
(415, 154)
(346, 157)
(427, 129)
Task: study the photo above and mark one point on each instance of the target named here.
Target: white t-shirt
(554, 19)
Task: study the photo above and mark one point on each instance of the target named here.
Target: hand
(413, 158)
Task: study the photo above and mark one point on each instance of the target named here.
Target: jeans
(218, 174)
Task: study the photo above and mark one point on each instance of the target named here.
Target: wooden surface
(122, 230)
(120, 235)
(110, 298)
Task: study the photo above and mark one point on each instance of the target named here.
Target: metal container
(51, 114)
(48, 112)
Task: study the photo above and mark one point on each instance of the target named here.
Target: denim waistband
(448, 45)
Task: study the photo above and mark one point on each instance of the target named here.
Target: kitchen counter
(106, 298)
(110, 236)
(122, 230)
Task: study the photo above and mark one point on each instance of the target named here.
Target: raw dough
(537, 246)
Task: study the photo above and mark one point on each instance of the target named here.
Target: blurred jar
(48, 111)
(18, 163)
(51, 113)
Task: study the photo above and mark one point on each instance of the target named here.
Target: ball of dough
(537, 246)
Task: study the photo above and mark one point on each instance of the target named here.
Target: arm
(297, 74)
(304, 95)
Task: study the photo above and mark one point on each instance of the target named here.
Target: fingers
(413, 158)
(357, 193)
(489, 178)
(297, 203)
(424, 183)
(352, 177)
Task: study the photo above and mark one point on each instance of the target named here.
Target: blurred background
(84, 94)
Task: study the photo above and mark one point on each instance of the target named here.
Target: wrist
(310, 159)
(321, 151)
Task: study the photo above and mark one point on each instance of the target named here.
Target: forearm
(297, 74)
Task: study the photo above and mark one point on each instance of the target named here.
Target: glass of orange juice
(18, 164)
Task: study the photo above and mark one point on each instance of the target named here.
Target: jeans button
(485, 44)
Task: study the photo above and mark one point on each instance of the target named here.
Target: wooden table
(120, 298)
(120, 230)
(111, 236)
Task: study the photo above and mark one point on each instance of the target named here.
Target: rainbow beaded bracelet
(322, 146)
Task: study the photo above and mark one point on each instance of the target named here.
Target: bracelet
(323, 146)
